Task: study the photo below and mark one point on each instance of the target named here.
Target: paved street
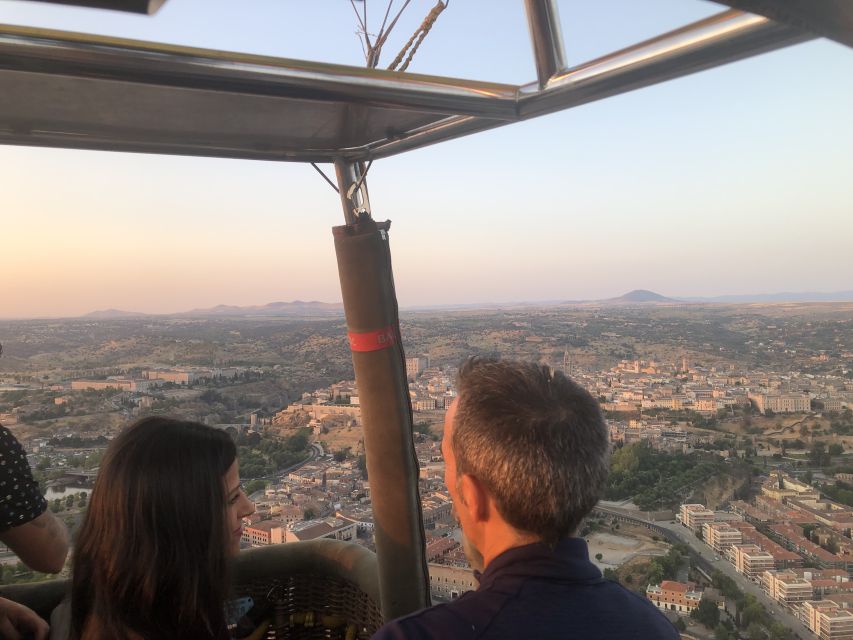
(706, 552)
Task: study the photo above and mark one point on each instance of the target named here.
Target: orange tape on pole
(372, 340)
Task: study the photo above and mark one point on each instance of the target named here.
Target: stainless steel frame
(78, 91)
(548, 52)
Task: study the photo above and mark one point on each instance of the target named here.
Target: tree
(679, 624)
(655, 573)
(707, 613)
(598, 557)
(210, 397)
(755, 632)
(808, 477)
(309, 514)
(836, 449)
(752, 612)
(818, 455)
(610, 574)
(254, 485)
(721, 633)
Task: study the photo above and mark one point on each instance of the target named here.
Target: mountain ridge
(314, 308)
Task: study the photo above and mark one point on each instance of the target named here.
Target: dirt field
(340, 436)
(617, 549)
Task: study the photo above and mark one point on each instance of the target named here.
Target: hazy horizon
(731, 181)
(784, 297)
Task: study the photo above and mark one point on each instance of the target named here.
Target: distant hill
(314, 309)
(787, 296)
(297, 308)
(641, 296)
(108, 314)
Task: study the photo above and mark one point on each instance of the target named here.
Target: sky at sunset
(731, 181)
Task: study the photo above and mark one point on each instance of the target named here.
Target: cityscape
(177, 164)
(730, 499)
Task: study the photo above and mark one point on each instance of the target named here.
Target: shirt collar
(569, 560)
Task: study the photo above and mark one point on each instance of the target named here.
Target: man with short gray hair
(526, 454)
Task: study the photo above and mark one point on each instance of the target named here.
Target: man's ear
(475, 496)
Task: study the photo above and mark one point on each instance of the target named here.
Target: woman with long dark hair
(151, 558)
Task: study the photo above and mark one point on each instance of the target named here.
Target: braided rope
(418, 37)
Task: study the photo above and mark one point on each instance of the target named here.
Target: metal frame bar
(720, 39)
(461, 107)
(714, 41)
(543, 21)
(105, 58)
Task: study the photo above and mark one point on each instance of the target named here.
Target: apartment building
(827, 620)
(751, 561)
(786, 587)
(695, 515)
(290, 514)
(448, 582)
(721, 535)
(670, 595)
(264, 533)
(415, 365)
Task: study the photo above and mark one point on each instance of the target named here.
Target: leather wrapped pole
(370, 304)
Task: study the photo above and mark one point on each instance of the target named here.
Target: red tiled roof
(671, 585)
(266, 526)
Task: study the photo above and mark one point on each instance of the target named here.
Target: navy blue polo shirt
(539, 593)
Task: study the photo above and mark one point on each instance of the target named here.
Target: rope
(357, 185)
(418, 37)
(325, 177)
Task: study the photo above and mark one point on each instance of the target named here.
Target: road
(708, 554)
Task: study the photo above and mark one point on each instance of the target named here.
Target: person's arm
(26, 525)
(17, 621)
(41, 544)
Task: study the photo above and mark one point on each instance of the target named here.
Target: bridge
(79, 476)
(702, 565)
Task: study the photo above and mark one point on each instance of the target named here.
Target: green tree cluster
(666, 567)
(655, 479)
(272, 454)
(819, 456)
(842, 423)
(254, 485)
(19, 573)
(840, 492)
(707, 613)
(752, 617)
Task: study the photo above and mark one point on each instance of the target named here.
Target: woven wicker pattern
(312, 606)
